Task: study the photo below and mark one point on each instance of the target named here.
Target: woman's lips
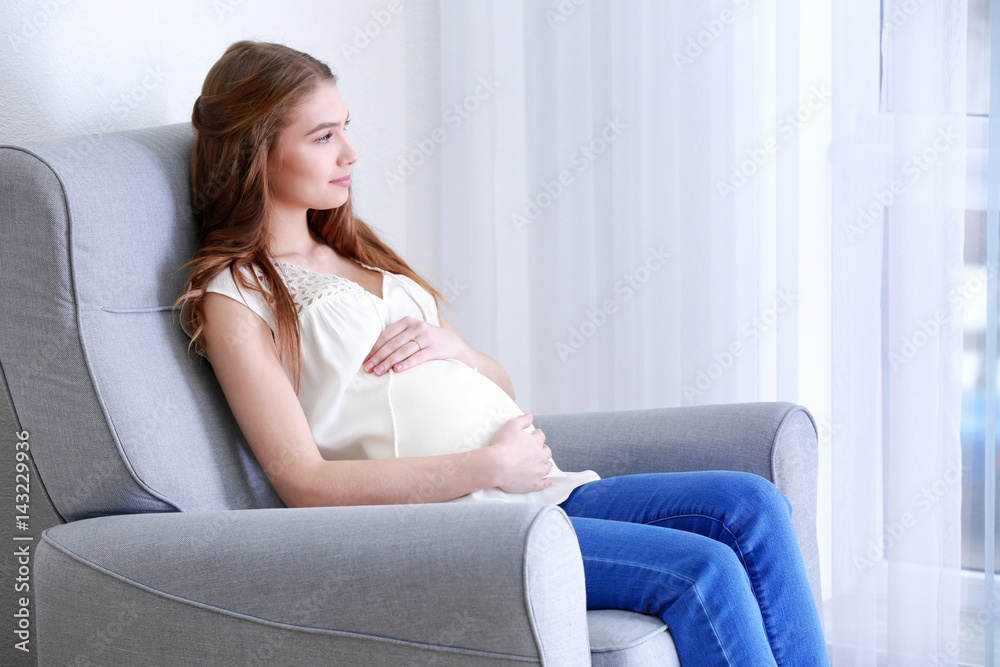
(345, 182)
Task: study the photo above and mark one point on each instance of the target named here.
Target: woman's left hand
(408, 342)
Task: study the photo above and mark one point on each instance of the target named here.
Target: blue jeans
(713, 553)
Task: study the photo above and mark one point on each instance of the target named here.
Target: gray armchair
(154, 538)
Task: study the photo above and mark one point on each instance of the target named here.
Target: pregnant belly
(444, 407)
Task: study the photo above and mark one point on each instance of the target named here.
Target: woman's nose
(348, 155)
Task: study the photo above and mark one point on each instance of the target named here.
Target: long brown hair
(245, 102)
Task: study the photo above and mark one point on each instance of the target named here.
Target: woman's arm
(241, 349)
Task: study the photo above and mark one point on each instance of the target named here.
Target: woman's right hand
(524, 458)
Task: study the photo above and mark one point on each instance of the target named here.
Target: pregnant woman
(351, 389)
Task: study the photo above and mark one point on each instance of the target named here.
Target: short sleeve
(424, 299)
(223, 283)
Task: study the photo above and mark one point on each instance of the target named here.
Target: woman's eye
(326, 137)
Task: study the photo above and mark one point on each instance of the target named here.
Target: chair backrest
(121, 419)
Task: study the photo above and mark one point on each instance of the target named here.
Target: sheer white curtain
(645, 203)
(899, 155)
(601, 236)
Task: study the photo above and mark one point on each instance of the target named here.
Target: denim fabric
(713, 553)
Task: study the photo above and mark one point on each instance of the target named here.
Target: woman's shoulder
(225, 279)
(225, 283)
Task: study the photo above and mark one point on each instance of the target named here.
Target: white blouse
(437, 407)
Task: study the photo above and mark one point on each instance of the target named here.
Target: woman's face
(311, 153)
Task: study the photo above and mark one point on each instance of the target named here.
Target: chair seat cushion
(620, 638)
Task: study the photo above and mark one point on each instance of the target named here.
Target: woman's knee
(761, 494)
(717, 570)
(659, 566)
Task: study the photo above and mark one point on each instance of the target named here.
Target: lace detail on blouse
(308, 287)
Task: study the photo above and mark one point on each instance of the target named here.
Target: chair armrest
(763, 438)
(442, 584)
(776, 440)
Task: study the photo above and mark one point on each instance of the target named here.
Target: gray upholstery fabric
(621, 638)
(178, 551)
(95, 231)
(495, 580)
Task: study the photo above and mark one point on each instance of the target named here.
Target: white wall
(71, 67)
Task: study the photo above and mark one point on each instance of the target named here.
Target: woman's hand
(408, 342)
(524, 458)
